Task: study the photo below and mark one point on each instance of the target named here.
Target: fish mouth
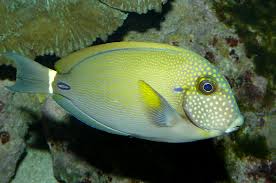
(236, 124)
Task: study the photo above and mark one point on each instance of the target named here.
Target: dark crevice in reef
(7, 72)
(141, 159)
(20, 160)
(47, 60)
(35, 137)
(141, 22)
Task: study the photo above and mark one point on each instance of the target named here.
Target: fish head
(209, 102)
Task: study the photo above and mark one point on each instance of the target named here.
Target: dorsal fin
(65, 64)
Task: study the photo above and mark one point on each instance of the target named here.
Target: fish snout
(236, 124)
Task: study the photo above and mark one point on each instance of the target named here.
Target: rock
(253, 22)
(36, 167)
(14, 120)
(10, 155)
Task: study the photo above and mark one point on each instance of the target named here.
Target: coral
(46, 27)
(59, 27)
(250, 153)
(10, 154)
(255, 23)
(255, 26)
(139, 6)
(247, 154)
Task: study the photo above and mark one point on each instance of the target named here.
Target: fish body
(146, 90)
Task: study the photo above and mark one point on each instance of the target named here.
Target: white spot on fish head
(215, 111)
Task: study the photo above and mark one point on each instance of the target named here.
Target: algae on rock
(255, 22)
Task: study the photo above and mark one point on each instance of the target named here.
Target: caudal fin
(30, 75)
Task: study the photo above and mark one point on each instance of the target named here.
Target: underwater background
(40, 143)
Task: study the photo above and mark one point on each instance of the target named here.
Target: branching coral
(139, 6)
(47, 26)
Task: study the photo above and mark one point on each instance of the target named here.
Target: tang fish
(146, 90)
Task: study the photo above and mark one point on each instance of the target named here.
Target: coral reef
(36, 28)
(247, 154)
(139, 6)
(242, 49)
(251, 155)
(55, 27)
(255, 22)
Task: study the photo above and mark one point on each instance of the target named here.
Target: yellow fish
(151, 91)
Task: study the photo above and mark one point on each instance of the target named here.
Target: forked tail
(30, 75)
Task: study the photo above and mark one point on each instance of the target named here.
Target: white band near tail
(31, 76)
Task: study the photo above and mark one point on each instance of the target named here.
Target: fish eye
(206, 86)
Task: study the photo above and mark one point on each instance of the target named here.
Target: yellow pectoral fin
(157, 108)
(150, 97)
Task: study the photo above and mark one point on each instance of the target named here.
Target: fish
(152, 91)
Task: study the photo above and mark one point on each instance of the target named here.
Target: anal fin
(83, 117)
